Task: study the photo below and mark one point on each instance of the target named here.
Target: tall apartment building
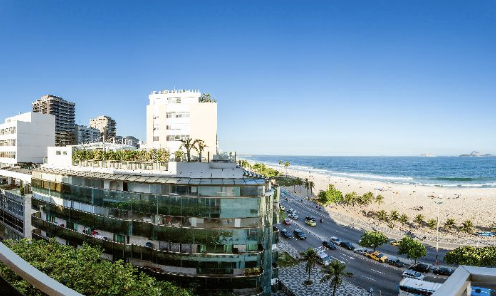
(209, 224)
(24, 138)
(106, 125)
(65, 116)
(174, 115)
(86, 134)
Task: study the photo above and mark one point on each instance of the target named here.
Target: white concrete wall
(35, 132)
(60, 156)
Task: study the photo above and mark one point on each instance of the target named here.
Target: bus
(413, 287)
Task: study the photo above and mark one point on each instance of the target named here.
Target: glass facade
(219, 237)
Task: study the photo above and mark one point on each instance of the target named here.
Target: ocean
(429, 171)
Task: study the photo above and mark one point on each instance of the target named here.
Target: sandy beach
(475, 204)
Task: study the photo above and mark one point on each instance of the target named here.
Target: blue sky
(291, 77)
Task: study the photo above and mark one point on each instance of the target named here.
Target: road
(367, 273)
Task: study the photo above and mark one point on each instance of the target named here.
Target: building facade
(24, 138)
(65, 117)
(194, 223)
(106, 125)
(174, 115)
(86, 134)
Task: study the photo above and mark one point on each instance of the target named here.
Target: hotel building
(207, 223)
(64, 112)
(174, 115)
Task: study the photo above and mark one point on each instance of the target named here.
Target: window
(155, 139)
(120, 238)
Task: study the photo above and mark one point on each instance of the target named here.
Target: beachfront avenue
(367, 273)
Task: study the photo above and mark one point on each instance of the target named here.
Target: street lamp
(437, 228)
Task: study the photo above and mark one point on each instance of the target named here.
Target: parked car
(478, 291)
(443, 271)
(394, 242)
(291, 211)
(299, 234)
(413, 274)
(377, 256)
(347, 245)
(336, 240)
(293, 216)
(282, 208)
(324, 259)
(367, 253)
(286, 234)
(360, 251)
(328, 244)
(420, 267)
(395, 262)
(286, 221)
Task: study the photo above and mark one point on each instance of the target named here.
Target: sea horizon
(439, 171)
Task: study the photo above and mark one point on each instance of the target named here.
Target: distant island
(427, 155)
(477, 154)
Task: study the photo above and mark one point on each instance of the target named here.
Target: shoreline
(458, 203)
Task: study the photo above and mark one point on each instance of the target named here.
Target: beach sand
(475, 204)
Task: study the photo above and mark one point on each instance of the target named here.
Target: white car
(293, 216)
(413, 274)
(336, 240)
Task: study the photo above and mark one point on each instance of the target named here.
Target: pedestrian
(371, 291)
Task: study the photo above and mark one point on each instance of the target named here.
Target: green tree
(331, 195)
(350, 198)
(200, 147)
(334, 273)
(450, 223)
(484, 256)
(366, 199)
(373, 239)
(311, 185)
(382, 215)
(178, 155)
(403, 219)
(394, 215)
(419, 219)
(467, 226)
(379, 199)
(412, 248)
(286, 165)
(188, 144)
(83, 270)
(432, 223)
(310, 257)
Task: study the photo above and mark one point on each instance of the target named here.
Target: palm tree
(450, 223)
(200, 146)
(419, 219)
(307, 184)
(394, 215)
(281, 162)
(379, 199)
(311, 184)
(467, 226)
(350, 198)
(382, 215)
(403, 219)
(188, 144)
(286, 165)
(334, 272)
(432, 223)
(311, 257)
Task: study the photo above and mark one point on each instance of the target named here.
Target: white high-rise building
(174, 115)
(24, 138)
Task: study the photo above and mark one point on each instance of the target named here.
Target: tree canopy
(373, 239)
(331, 195)
(485, 256)
(412, 248)
(83, 270)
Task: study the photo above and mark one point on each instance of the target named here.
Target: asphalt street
(367, 273)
